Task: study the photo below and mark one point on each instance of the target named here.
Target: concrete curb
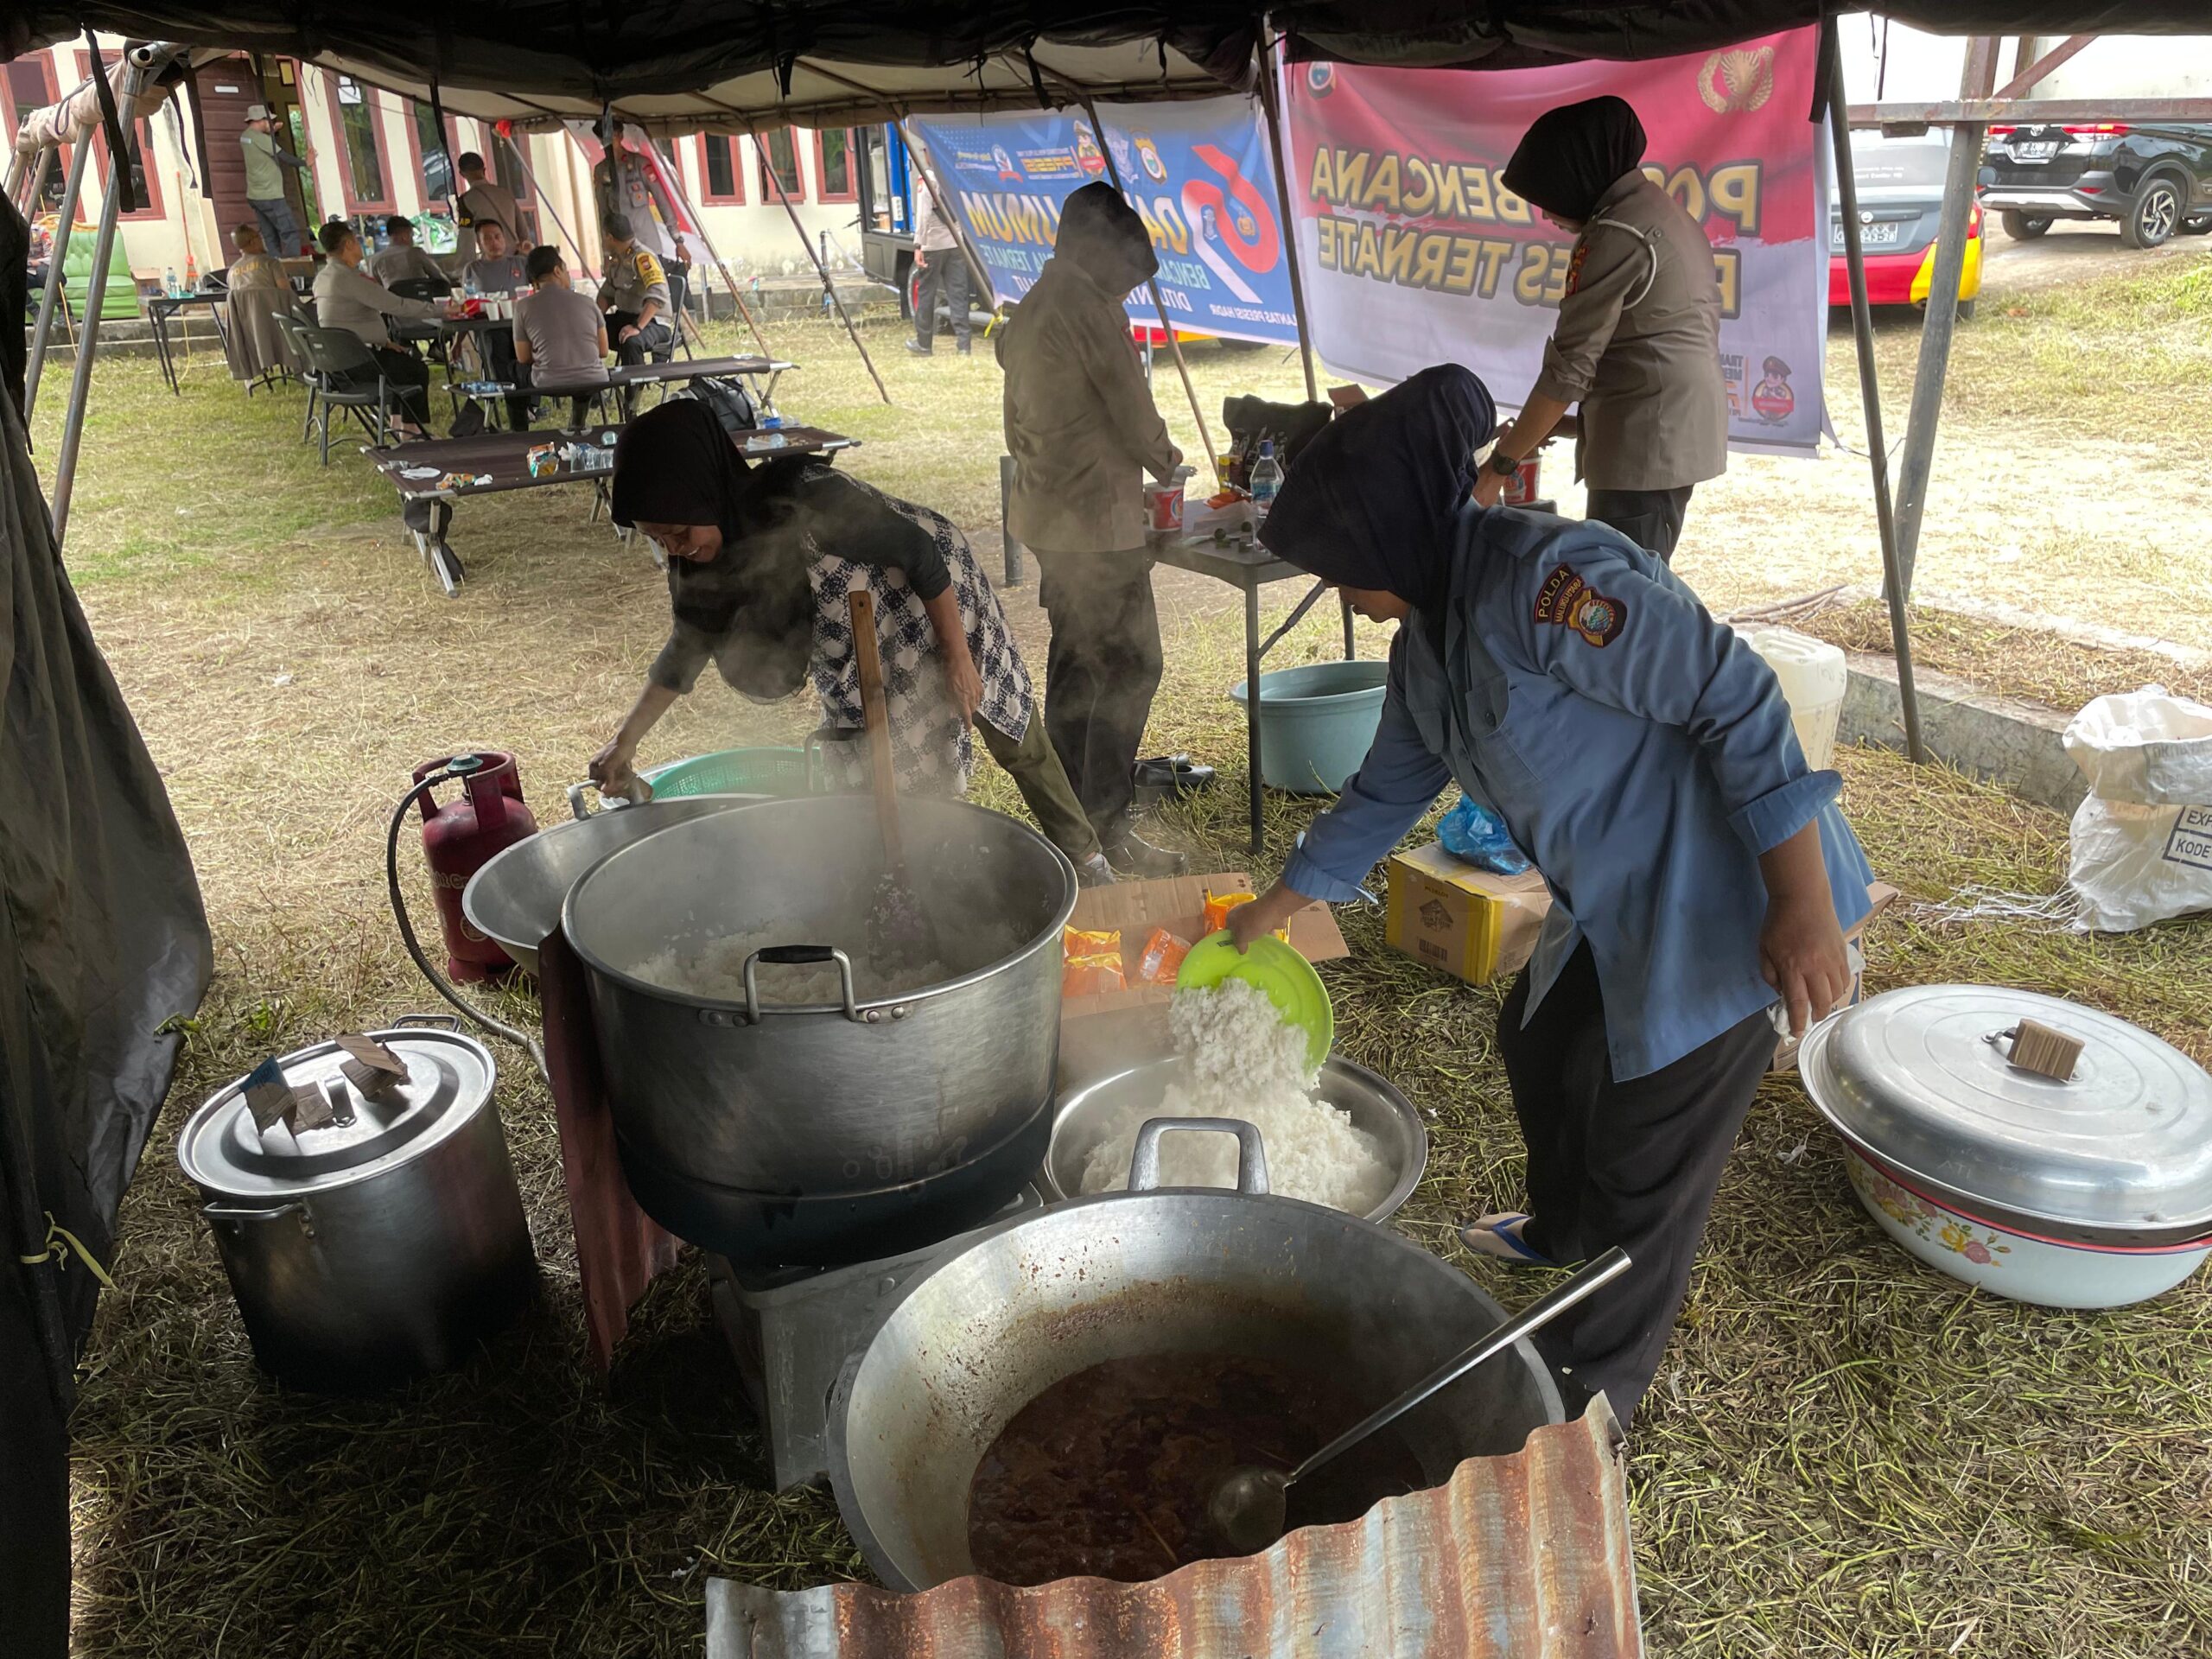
(2008, 741)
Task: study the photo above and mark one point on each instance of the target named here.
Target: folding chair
(289, 324)
(350, 379)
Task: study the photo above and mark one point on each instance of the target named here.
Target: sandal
(1499, 1236)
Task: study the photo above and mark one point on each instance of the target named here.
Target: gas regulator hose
(522, 1041)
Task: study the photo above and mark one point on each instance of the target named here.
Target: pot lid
(449, 1078)
(1921, 1078)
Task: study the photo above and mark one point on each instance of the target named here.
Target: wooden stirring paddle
(905, 929)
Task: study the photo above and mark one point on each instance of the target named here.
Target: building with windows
(374, 153)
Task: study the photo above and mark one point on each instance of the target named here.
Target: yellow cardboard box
(1467, 921)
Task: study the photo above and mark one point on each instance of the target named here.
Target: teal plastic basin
(732, 772)
(1316, 723)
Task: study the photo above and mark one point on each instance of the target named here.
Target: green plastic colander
(1287, 979)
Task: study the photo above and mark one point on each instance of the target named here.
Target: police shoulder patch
(1574, 266)
(1568, 601)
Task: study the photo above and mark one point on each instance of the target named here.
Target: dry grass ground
(1846, 1454)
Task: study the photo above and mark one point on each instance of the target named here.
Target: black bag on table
(1291, 426)
(731, 402)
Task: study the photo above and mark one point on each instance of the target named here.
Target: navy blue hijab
(1373, 501)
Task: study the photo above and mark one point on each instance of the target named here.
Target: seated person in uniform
(634, 297)
(255, 267)
(560, 336)
(496, 269)
(400, 260)
(347, 297)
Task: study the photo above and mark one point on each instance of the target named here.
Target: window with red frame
(779, 166)
(361, 170)
(836, 149)
(145, 178)
(721, 177)
(28, 86)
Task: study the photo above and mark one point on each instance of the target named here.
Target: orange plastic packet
(1085, 975)
(1075, 942)
(1218, 904)
(1163, 957)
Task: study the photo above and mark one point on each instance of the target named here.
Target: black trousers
(946, 270)
(499, 363)
(1633, 1164)
(408, 377)
(1101, 670)
(1650, 519)
(655, 339)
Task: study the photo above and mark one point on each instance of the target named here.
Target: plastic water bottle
(169, 283)
(1266, 479)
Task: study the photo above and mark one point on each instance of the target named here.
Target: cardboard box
(1178, 904)
(1881, 895)
(1467, 921)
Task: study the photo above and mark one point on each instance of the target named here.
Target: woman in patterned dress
(761, 560)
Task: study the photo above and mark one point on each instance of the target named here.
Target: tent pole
(1271, 103)
(71, 193)
(1159, 305)
(551, 211)
(20, 167)
(951, 219)
(81, 381)
(768, 171)
(1942, 317)
(684, 200)
(1862, 329)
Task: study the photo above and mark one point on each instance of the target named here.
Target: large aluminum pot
(381, 1246)
(515, 899)
(1126, 1275)
(847, 1097)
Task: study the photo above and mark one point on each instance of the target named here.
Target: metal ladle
(1248, 1507)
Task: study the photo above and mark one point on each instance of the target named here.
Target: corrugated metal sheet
(1525, 1557)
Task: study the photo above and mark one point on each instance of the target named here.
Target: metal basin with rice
(1086, 1113)
(515, 899)
(825, 1098)
(1124, 1274)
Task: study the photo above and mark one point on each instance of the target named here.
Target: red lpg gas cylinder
(461, 836)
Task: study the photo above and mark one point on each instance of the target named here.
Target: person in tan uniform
(1083, 431)
(1637, 343)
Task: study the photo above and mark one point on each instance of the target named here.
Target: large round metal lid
(448, 1080)
(1921, 1078)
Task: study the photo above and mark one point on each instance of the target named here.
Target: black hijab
(1102, 234)
(675, 464)
(1372, 501)
(1571, 156)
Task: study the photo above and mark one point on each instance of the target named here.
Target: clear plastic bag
(1473, 834)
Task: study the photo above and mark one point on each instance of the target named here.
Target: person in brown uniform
(1083, 431)
(1637, 343)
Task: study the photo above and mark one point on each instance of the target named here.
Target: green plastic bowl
(1287, 979)
(733, 771)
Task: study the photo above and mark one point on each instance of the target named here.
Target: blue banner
(1199, 173)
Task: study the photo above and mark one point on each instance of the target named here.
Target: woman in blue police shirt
(1643, 756)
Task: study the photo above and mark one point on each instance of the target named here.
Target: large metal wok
(515, 899)
(1122, 1275)
(746, 1095)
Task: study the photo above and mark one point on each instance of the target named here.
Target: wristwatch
(1502, 464)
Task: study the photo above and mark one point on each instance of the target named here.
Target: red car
(1900, 199)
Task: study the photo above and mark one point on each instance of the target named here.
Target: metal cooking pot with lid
(1128, 1275)
(2119, 1154)
(745, 1095)
(382, 1245)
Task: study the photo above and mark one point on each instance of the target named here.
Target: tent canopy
(674, 66)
